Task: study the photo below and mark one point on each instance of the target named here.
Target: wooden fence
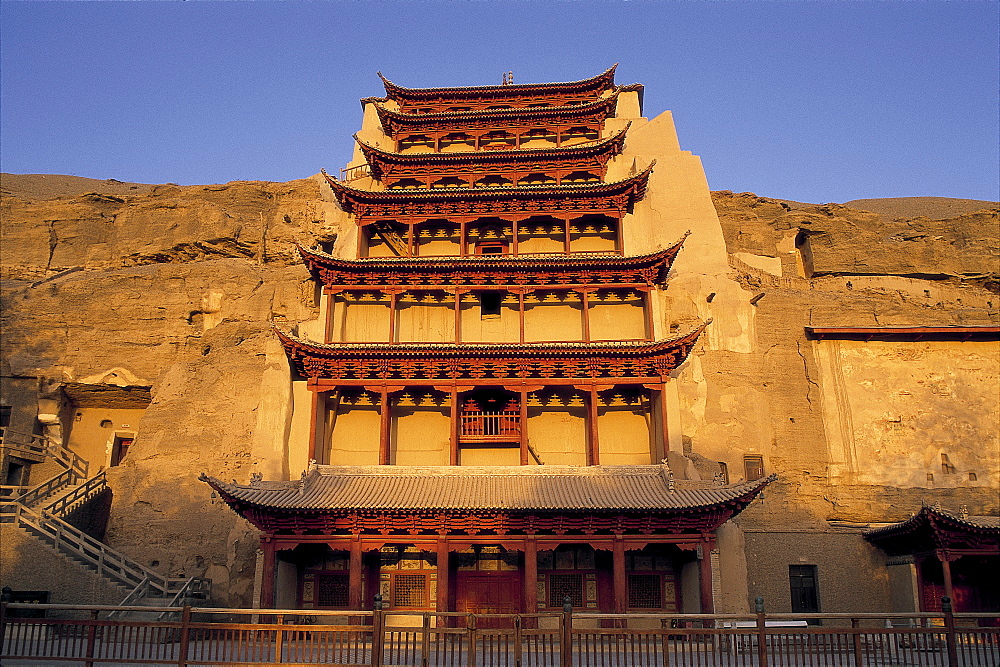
(84, 635)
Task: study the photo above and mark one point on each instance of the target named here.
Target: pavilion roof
(598, 364)
(625, 349)
(396, 120)
(935, 528)
(596, 83)
(605, 147)
(606, 269)
(643, 488)
(628, 190)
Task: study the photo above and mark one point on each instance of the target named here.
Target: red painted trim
(912, 333)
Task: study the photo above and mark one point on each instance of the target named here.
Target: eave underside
(491, 271)
(471, 363)
(933, 530)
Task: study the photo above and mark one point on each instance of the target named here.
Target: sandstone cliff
(177, 288)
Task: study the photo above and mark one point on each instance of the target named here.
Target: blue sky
(810, 100)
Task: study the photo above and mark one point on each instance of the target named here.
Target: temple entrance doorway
(488, 581)
(489, 593)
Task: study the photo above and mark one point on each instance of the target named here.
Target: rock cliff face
(847, 241)
(176, 289)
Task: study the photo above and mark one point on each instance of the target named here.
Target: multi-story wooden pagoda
(489, 416)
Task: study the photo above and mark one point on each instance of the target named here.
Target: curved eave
(348, 196)
(597, 83)
(300, 346)
(377, 157)
(388, 116)
(316, 260)
(930, 518)
(457, 491)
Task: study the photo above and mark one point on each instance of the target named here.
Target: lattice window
(409, 590)
(561, 585)
(332, 590)
(645, 591)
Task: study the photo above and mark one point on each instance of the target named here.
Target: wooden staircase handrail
(79, 494)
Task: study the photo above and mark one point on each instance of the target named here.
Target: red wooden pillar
(331, 304)
(458, 315)
(455, 414)
(463, 235)
(664, 420)
(411, 241)
(354, 574)
(385, 426)
(585, 295)
(523, 427)
(593, 444)
(949, 590)
(647, 312)
(530, 603)
(443, 573)
(393, 298)
(268, 573)
(318, 418)
(520, 312)
(514, 231)
(619, 585)
(566, 235)
(705, 577)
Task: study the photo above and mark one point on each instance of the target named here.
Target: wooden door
(489, 593)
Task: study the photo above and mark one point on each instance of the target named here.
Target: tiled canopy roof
(933, 528)
(653, 267)
(611, 145)
(626, 349)
(928, 514)
(389, 116)
(515, 488)
(632, 188)
(603, 80)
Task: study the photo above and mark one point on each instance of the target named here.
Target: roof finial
(508, 78)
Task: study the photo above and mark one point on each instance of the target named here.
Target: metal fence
(85, 635)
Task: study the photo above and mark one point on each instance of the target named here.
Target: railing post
(4, 601)
(279, 620)
(425, 640)
(761, 632)
(566, 639)
(91, 639)
(949, 624)
(518, 639)
(182, 649)
(470, 625)
(855, 624)
(378, 632)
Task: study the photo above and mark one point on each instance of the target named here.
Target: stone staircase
(41, 510)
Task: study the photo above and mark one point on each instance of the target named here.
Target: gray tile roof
(515, 488)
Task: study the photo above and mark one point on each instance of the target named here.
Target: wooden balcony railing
(490, 426)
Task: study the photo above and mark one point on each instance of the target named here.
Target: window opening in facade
(408, 578)
(753, 467)
(569, 571)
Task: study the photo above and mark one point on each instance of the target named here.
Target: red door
(489, 593)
